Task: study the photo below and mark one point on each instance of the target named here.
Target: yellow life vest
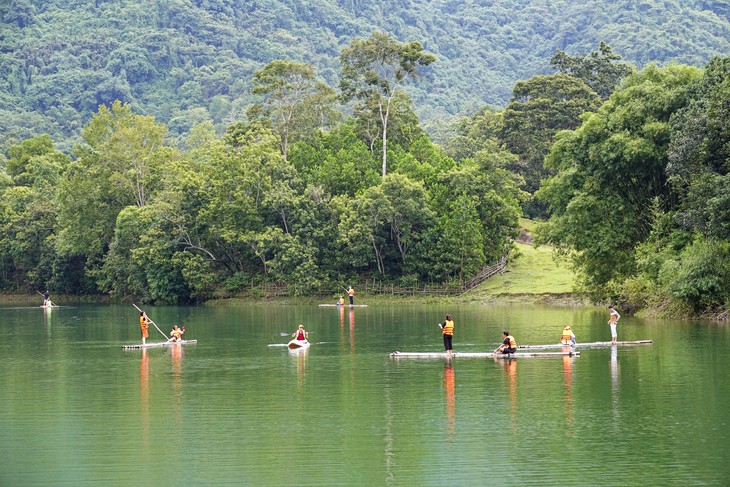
(566, 338)
(512, 342)
(448, 328)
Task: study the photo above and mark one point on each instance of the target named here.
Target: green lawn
(533, 272)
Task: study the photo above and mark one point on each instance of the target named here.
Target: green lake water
(238, 408)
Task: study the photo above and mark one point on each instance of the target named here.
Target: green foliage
(609, 171)
(373, 72)
(602, 70)
(701, 275)
(61, 59)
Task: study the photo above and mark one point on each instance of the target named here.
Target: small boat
(586, 344)
(158, 344)
(297, 344)
(327, 305)
(481, 354)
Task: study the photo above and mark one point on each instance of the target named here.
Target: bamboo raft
(158, 344)
(347, 305)
(586, 344)
(481, 354)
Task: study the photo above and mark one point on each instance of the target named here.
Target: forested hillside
(186, 61)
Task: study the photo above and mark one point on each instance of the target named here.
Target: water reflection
(47, 314)
(299, 355)
(510, 367)
(450, 398)
(144, 395)
(176, 352)
(352, 329)
(568, 386)
(614, 379)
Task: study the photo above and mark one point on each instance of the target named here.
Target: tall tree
(295, 100)
(373, 72)
(602, 70)
(120, 165)
(540, 108)
(611, 171)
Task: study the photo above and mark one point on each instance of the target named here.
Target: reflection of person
(613, 318)
(568, 337)
(176, 334)
(509, 345)
(144, 324)
(351, 293)
(301, 334)
(447, 330)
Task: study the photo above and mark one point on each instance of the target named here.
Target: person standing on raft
(508, 346)
(447, 330)
(144, 324)
(613, 318)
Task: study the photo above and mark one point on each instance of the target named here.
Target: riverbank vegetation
(631, 183)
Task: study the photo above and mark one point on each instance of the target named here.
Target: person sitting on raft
(568, 337)
(509, 345)
(301, 334)
(176, 334)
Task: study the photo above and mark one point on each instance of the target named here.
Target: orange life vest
(448, 327)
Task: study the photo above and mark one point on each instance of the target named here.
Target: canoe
(298, 344)
(338, 305)
(158, 344)
(481, 354)
(586, 344)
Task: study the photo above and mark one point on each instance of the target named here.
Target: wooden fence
(374, 287)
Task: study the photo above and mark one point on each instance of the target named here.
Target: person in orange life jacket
(447, 330)
(509, 345)
(341, 302)
(568, 337)
(301, 334)
(144, 325)
(351, 293)
(176, 334)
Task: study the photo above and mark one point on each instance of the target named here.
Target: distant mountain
(186, 61)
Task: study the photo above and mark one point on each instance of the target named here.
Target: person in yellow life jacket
(351, 294)
(568, 337)
(144, 325)
(341, 302)
(509, 345)
(176, 334)
(447, 330)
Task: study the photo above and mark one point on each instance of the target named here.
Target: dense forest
(314, 177)
(189, 61)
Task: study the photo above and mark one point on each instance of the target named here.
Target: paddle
(150, 320)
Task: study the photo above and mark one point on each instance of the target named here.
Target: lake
(239, 408)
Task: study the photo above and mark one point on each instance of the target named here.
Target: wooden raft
(158, 344)
(586, 344)
(481, 354)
